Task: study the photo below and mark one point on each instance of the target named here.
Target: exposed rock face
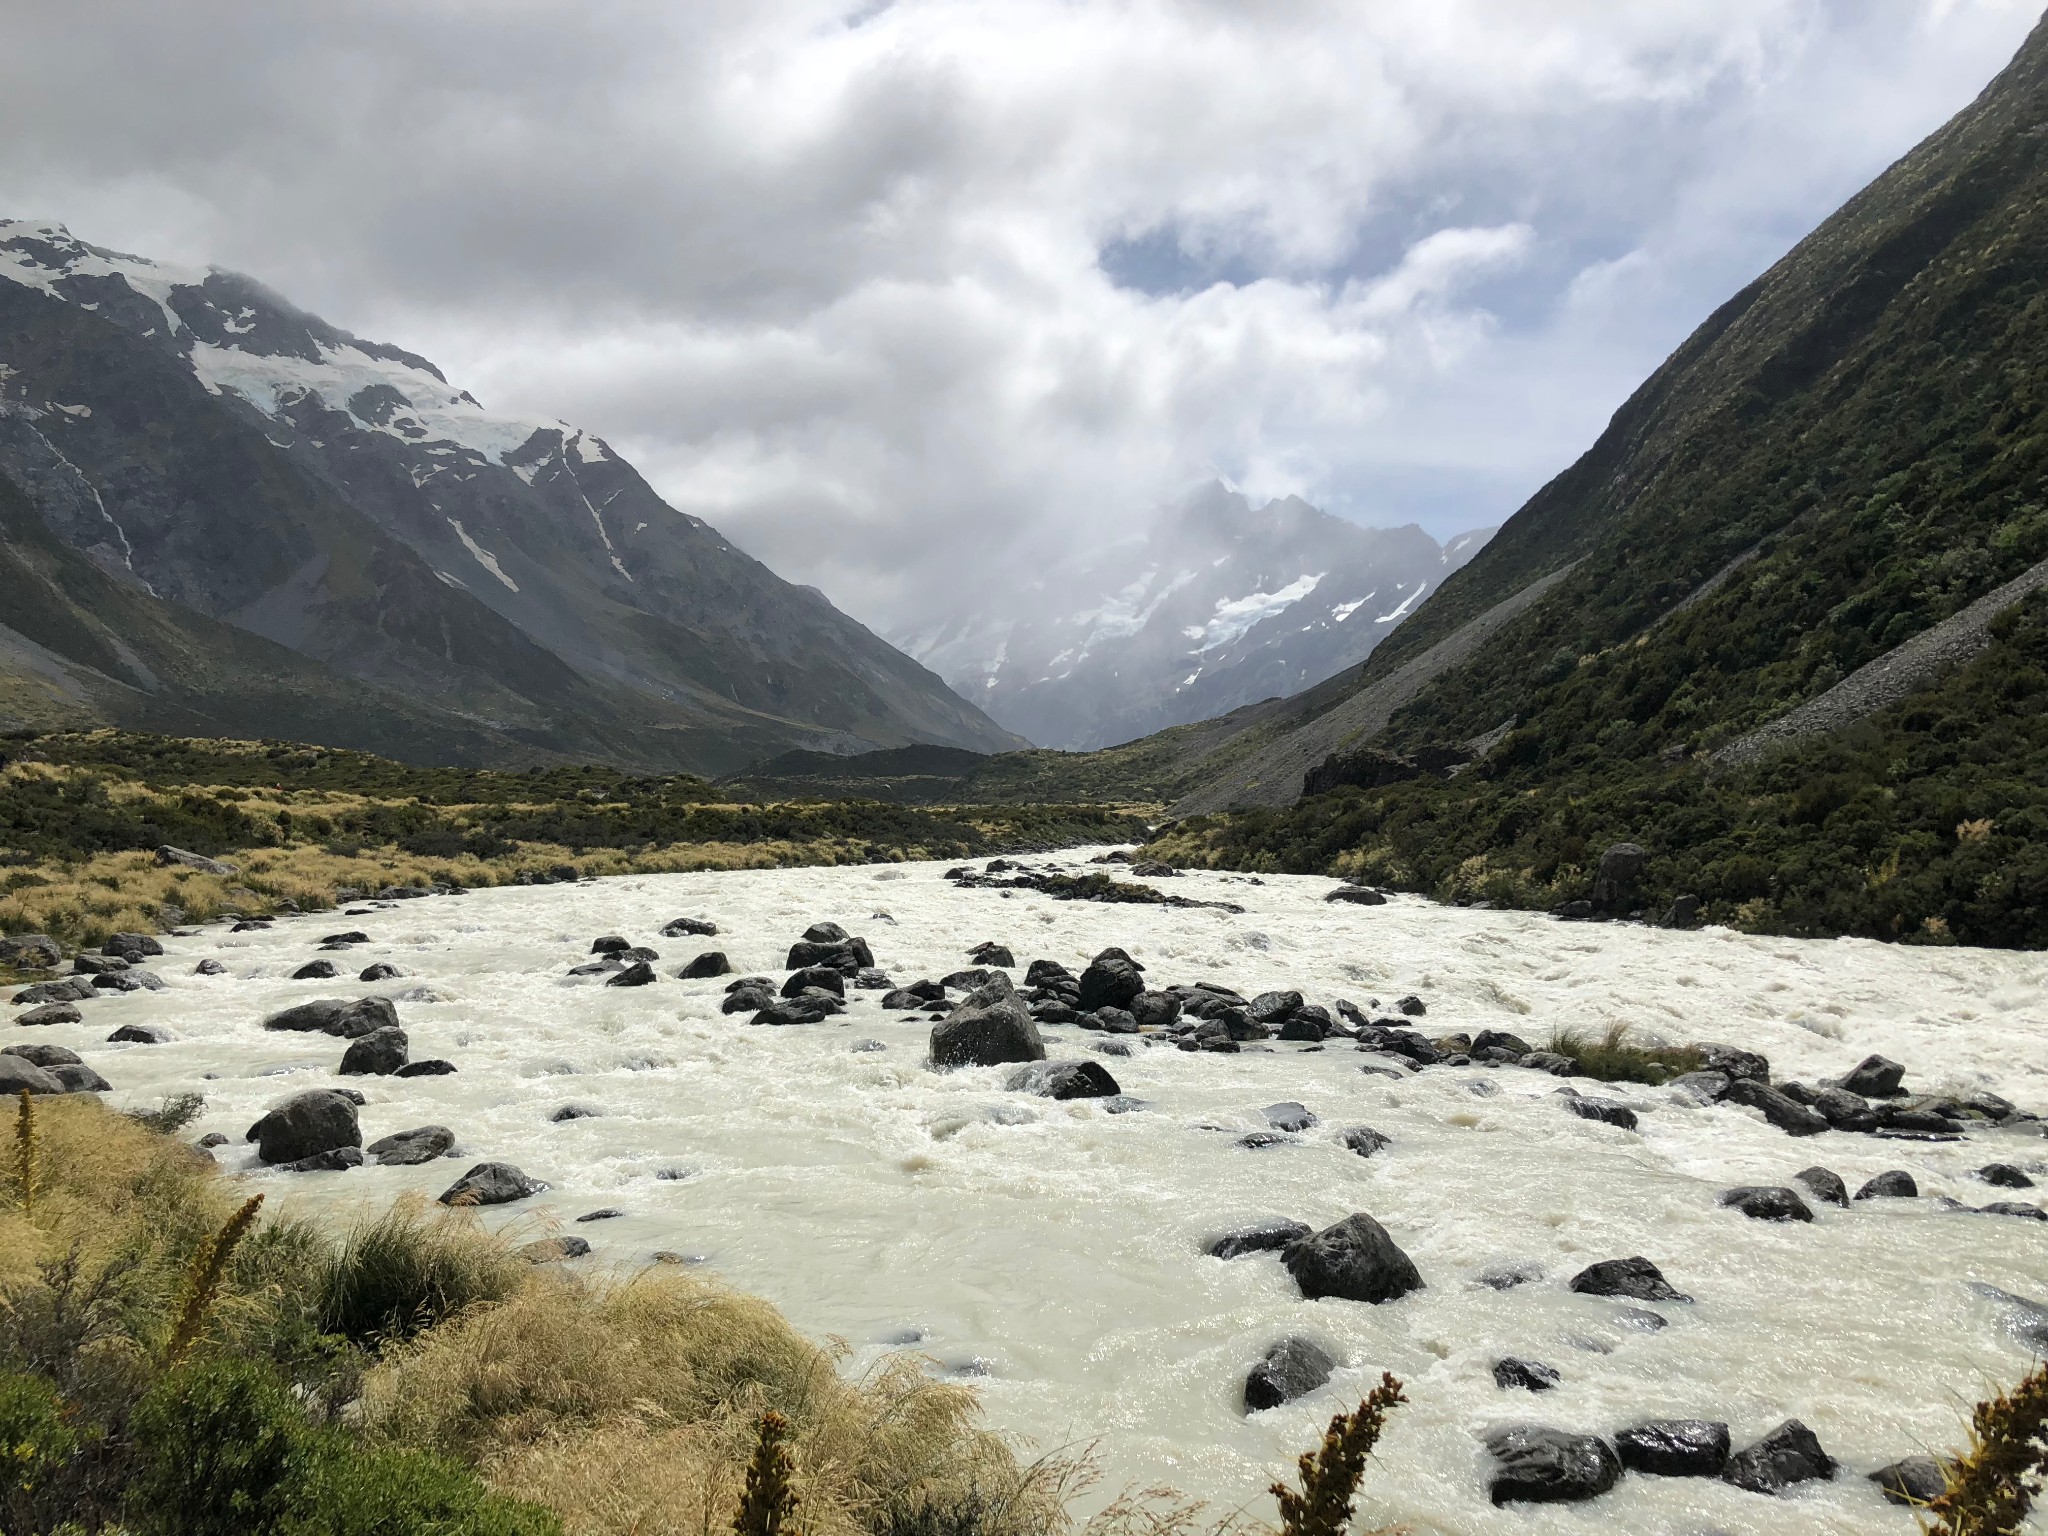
(306, 1124)
(989, 1028)
(1355, 1259)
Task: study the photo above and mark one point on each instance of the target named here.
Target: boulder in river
(379, 1053)
(1766, 1203)
(68, 989)
(844, 955)
(1735, 1063)
(823, 977)
(1789, 1454)
(1538, 1465)
(1112, 980)
(1674, 1447)
(316, 970)
(1511, 1374)
(992, 953)
(990, 1028)
(1635, 1278)
(2004, 1176)
(140, 1034)
(305, 1124)
(1290, 1116)
(333, 1160)
(381, 970)
(1064, 1080)
(688, 927)
(1267, 1237)
(1789, 1116)
(1356, 1259)
(1365, 1141)
(344, 1017)
(132, 947)
(491, 1184)
(1605, 1111)
(553, 1250)
(1292, 1368)
(1823, 1184)
(638, 974)
(1912, 1480)
(1356, 895)
(44, 1056)
(1874, 1077)
(1896, 1184)
(422, 1144)
(711, 963)
(432, 1066)
(52, 1013)
(18, 1075)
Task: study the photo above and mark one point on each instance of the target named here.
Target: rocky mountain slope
(1781, 625)
(208, 446)
(1216, 605)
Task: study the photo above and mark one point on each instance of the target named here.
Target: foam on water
(1056, 1248)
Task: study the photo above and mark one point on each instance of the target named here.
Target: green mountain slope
(1846, 455)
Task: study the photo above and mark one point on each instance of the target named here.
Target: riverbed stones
(638, 974)
(710, 963)
(1788, 1455)
(989, 1028)
(1513, 1374)
(1555, 1064)
(51, 1013)
(1844, 1110)
(1356, 1260)
(1734, 1063)
(823, 977)
(1112, 980)
(991, 953)
(1875, 1077)
(421, 1144)
(491, 1184)
(333, 1160)
(1766, 1203)
(749, 994)
(1535, 1464)
(1292, 1368)
(2005, 1176)
(1604, 1111)
(44, 1056)
(379, 1053)
(316, 970)
(1635, 1278)
(140, 1034)
(688, 928)
(18, 1075)
(345, 1018)
(1823, 1184)
(1365, 1141)
(432, 1066)
(305, 1124)
(1894, 1184)
(1064, 1080)
(1912, 1481)
(209, 967)
(1267, 1237)
(68, 989)
(132, 947)
(1357, 896)
(1789, 1116)
(134, 979)
(1290, 1116)
(1674, 1447)
(844, 955)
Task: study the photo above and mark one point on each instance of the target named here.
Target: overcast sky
(890, 291)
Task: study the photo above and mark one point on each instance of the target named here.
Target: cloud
(904, 296)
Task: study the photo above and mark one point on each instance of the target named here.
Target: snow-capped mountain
(212, 446)
(1218, 604)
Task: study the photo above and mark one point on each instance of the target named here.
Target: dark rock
(1793, 1119)
(573, 1112)
(1574, 911)
(1636, 1278)
(333, 1160)
(2005, 1176)
(1620, 872)
(1894, 1185)
(1606, 1111)
(813, 1007)
(1910, 1124)
(1270, 1007)
(209, 967)
(755, 995)
(353, 936)
(51, 1013)
(638, 952)
(1040, 972)
(1357, 896)
(1734, 1063)
(638, 974)
(1056, 1012)
(1413, 1006)
(44, 1056)
(1267, 1237)
(96, 965)
(1674, 1447)
(1684, 912)
(1823, 1185)
(1874, 1078)
(825, 933)
(1527, 1375)
(603, 1213)
(1259, 1140)
(212, 1139)
(904, 998)
(71, 989)
(1788, 1454)
(711, 963)
(688, 927)
(491, 1184)
(1292, 1368)
(382, 970)
(379, 1053)
(316, 970)
(1112, 980)
(610, 944)
(1844, 1110)
(1155, 1010)
(18, 1075)
(1536, 1465)
(1996, 1208)
(30, 951)
(140, 1034)
(843, 955)
(1912, 1481)
(433, 1066)
(76, 1077)
(990, 1028)
(1064, 1080)
(1766, 1203)
(1706, 1087)
(1551, 1062)
(305, 1124)
(422, 1144)
(341, 1017)
(868, 979)
(1365, 1141)
(1303, 1028)
(1355, 1260)
(992, 954)
(1505, 1277)
(1289, 1116)
(131, 980)
(1500, 1039)
(553, 1250)
(132, 947)
(822, 977)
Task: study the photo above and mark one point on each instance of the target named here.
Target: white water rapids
(1057, 1248)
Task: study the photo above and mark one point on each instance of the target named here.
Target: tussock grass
(405, 1268)
(1612, 1057)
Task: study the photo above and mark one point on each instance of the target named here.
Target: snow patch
(1237, 616)
(484, 557)
(1406, 603)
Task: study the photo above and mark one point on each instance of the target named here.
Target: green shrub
(403, 1270)
(36, 1445)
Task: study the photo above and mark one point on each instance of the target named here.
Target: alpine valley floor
(1054, 1251)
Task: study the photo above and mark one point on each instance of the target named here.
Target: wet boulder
(610, 944)
(1365, 1141)
(140, 1034)
(903, 999)
(305, 1124)
(432, 1066)
(990, 1028)
(711, 963)
(1290, 1116)
(688, 928)
(1552, 1062)
(1912, 1481)
(1155, 1010)
(1356, 1260)
(18, 1075)
(992, 954)
(1604, 1111)
(1788, 1455)
(1788, 1115)
(132, 947)
(823, 977)
(77, 1077)
(70, 989)
(1874, 1077)
(843, 955)
(422, 1144)
(1270, 1007)
(749, 995)
(2004, 1176)
(1674, 1447)
(381, 970)
(44, 1056)
(316, 970)
(52, 1013)
(1730, 1062)
(638, 974)
(1823, 1185)
(491, 1184)
(812, 1006)
(1112, 980)
(342, 1017)
(1844, 1110)
(1537, 1465)
(1766, 1203)
(1064, 1080)
(1635, 1278)
(1897, 1184)
(1356, 895)
(1512, 1374)
(333, 1160)
(1500, 1040)
(134, 979)
(379, 1053)
(1292, 1368)
(1267, 1237)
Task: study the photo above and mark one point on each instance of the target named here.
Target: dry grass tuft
(1992, 1485)
(1330, 1474)
(769, 1501)
(203, 1277)
(1612, 1057)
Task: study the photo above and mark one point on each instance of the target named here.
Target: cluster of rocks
(1871, 1099)
(822, 964)
(1008, 875)
(116, 968)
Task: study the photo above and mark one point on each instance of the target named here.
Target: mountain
(1783, 625)
(209, 447)
(1213, 606)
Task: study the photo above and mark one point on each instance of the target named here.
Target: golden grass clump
(204, 1275)
(403, 1268)
(1993, 1483)
(1330, 1473)
(27, 1174)
(1612, 1057)
(635, 1406)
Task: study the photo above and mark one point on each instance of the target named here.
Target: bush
(223, 1449)
(35, 1447)
(403, 1270)
(1611, 1058)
